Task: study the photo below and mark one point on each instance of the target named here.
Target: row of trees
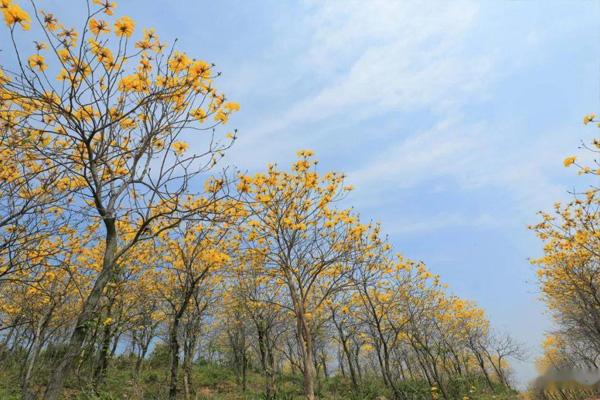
(109, 247)
(569, 278)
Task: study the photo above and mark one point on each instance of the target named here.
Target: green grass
(215, 382)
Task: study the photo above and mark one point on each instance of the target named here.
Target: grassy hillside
(217, 382)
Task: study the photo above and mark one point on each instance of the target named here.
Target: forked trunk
(267, 362)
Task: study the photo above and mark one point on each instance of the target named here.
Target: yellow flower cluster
(15, 15)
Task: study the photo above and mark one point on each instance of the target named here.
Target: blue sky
(450, 118)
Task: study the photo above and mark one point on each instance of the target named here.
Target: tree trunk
(266, 362)
(34, 351)
(187, 390)
(349, 357)
(64, 368)
(306, 345)
(4, 348)
(140, 358)
(356, 356)
(324, 365)
(244, 368)
(481, 363)
(102, 361)
(174, 350)
(341, 362)
(190, 346)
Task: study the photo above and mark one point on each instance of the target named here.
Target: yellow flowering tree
(109, 108)
(194, 254)
(568, 271)
(261, 298)
(307, 245)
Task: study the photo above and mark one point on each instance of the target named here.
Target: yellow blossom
(198, 114)
(124, 26)
(569, 161)
(232, 106)
(37, 62)
(180, 147)
(98, 26)
(13, 14)
(222, 117)
(588, 118)
(107, 6)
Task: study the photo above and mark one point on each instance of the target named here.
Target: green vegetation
(219, 382)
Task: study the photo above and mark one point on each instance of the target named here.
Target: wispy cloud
(439, 222)
(365, 59)
(448, 149)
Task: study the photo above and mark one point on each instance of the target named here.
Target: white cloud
(468, 157)
(405, 58)
(380, 56)
(439, 222)
(448, 149)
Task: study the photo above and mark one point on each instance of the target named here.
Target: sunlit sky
(450, 118)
